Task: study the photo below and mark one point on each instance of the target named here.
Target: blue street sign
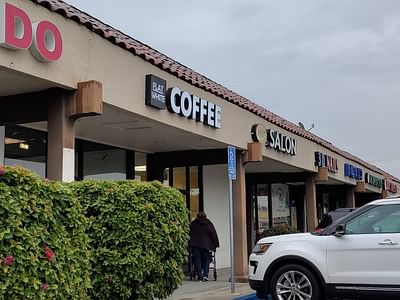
(231, 163)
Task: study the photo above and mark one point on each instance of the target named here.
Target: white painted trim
(68, 165)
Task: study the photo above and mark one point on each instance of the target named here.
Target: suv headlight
(261, 248)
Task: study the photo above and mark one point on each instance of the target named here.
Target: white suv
(356, 256)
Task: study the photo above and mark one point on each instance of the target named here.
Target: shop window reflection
(262, 206)
(186, 180)
(99, 161)
(194, 192)
(104, 164)
(26, 147)
(280, 204)
(140, 166)
(179, 179)
(166, 177)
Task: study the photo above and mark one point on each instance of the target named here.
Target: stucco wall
(216, 208)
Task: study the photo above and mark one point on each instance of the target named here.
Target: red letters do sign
(43, 38)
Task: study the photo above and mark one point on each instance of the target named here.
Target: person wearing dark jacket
(203, 239)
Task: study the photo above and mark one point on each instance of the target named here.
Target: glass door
(187, 181)
(259, 218)
(194, 192)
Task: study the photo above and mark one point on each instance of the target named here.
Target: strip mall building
(80, 99)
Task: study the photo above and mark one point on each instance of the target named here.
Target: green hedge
(138, 234)
(278, 230)
(131, 244)
(44, 250)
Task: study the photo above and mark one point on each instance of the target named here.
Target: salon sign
(274, 139)
(19, 32)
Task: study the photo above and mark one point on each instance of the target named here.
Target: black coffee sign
(156, 91)
(193, 107)
(181, 102)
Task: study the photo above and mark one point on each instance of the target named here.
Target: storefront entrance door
(187, 181)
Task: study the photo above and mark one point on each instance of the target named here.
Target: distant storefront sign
(181, 102)
(353, 172)
(323, 160)
(374, 181)
(390, 186)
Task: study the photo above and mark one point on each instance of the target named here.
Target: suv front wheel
(294, 282)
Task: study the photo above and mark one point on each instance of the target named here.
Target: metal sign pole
(232, 251)
(231, 176)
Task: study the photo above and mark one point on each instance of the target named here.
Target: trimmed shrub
(44, 250)
(278, 230)
(139, 234)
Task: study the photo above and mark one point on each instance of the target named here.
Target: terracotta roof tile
(171, 66)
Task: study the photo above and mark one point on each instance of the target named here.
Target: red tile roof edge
(171, 66)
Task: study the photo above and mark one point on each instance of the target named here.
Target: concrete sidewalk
(218, 290)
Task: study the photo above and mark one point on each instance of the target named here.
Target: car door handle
(388, 242)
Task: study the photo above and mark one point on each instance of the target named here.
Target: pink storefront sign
(43, 38)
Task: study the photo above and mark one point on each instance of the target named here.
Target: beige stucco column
(64, 108)
(61, 136)
(350, 199)
(311, 203)
(239, 221)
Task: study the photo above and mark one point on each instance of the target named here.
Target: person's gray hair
(202, 215)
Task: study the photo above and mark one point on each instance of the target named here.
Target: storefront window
(262, 206)
(186, 180)
(166, 177)
(179, 179)
(140, 166)
(104, 164)
(99, 161)
(26, 147)
(280, 204)
(194, 192)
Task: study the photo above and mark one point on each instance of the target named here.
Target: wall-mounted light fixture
(140, 168)
(23, 146)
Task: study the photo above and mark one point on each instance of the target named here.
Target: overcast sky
(335, 64)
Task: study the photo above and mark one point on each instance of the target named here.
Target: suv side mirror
(339, 231)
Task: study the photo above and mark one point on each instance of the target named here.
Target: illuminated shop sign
(390, 186)
(353, 172)
(181, 102)
(374, 181)
(274, 139)
(42, 38)
(323, 160)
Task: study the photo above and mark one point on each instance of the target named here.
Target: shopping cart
(212, 267)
